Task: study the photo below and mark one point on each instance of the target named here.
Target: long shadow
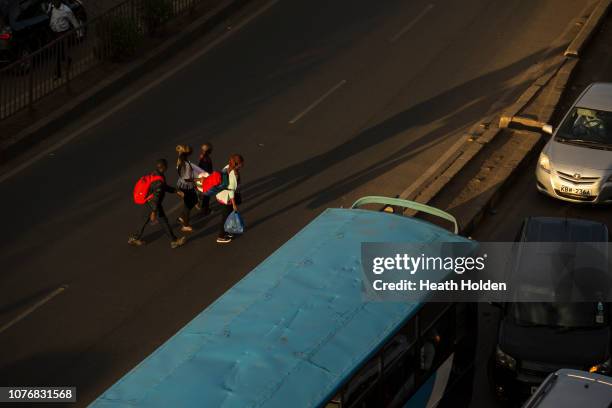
(453, 110)
(238, 77)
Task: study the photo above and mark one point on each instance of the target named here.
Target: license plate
(575, 191)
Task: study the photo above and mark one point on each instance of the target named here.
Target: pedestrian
(230, 197)
(186, 184)
(61, 19)
(206, 164)
(153, 209)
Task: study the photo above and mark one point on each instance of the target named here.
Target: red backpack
(142, 187)
(209, 184)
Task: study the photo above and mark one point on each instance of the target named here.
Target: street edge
(89, 99)
(587, 30)
(448, 166)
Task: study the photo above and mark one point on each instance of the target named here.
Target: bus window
(394, 350)
(429, 314)
(362, 390)
(398, 379)
(437, 344)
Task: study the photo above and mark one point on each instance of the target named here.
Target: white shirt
(61, 18)
(225, 196)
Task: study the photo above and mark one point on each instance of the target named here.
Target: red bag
(206, 184)
(142, 187)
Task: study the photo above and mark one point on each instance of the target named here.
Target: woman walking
(186, 184)
(229, 198)
(205, 163)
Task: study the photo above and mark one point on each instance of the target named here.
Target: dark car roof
(573, 388)
(556, 229)
(4, 7)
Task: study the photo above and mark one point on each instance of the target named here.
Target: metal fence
(114, 36)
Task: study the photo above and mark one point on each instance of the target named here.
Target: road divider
(587, 30)
(468, 193)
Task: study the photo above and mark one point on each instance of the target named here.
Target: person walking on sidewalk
(186, 184)
(206, 164)
(230, 197)
(153, 209)
(61, 19)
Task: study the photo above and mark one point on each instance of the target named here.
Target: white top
(61, 18)
(225, 196)
(189, 171)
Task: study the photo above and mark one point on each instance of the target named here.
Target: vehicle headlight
(603, 368)
(544, 162)
(505, 360)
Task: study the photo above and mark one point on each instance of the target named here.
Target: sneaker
(135, 242)
(178, 242)
(187, 228)
(224, 239)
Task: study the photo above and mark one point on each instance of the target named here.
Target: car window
(29, 9)
(560, 315)
(588, 126)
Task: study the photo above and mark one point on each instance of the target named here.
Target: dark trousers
(204, 201)
(226, 210)
(189, 201)
(60, 48)
(161, 219)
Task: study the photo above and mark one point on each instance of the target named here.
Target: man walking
(61, 18)
(153, 210)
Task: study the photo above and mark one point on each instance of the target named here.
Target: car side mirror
(548, 129)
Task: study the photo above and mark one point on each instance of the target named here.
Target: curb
(531, 145)
(587, 30)
(89, 99)
(430, 185)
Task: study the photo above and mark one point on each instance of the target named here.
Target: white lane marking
(32, 308)
(137, 94)
(411, 23)
(318, 101)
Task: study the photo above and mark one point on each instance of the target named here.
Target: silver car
(576, 163)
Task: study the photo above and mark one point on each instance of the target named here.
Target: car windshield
(559, 315)
(587, 126)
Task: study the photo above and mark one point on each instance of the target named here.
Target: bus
(297, 331)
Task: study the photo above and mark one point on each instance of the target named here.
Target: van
(535, 339)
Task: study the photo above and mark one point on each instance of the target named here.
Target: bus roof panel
(292, 329)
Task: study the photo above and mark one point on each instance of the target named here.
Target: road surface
(327, 101)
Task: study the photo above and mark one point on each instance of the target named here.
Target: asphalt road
(327, 101)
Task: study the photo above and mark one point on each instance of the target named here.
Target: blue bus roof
(292, 330)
